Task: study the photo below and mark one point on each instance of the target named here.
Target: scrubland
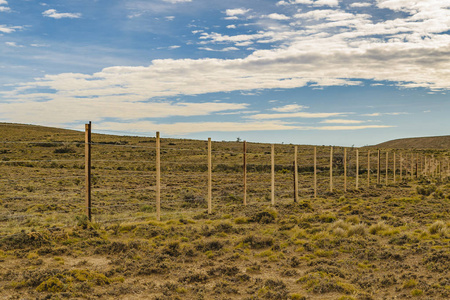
(378, 242)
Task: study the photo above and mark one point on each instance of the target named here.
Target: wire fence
(43, 182)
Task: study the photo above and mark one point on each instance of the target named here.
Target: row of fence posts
(428, 165)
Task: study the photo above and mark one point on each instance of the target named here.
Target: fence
(141, 178)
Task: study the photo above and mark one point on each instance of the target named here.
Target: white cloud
(310, 2)
(170, 18)
(39, 45)
(385, 114)
(177, 1)
(3, 2)
(333, 128)
(275, 16)
(5, 9)
(289, 108)
(183, 128)
(231, 26)
(361, 4)
(236, 12)
(13, 44)
(342, 121)
(52, 13)
(326, 3)
(305, 115)
(219, 50)
(62, 109)
(174, 47)
(9, 29)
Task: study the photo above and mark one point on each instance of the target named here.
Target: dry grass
(378, 242)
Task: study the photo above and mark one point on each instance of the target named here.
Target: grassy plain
(379, 242)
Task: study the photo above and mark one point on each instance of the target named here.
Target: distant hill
(432, 142)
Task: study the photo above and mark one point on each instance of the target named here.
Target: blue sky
(342, 72)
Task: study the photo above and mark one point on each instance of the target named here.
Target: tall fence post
(412, 166)
(357, 169)
(401, 167)
(395, 168)
(331, 169)
(158, 177)
(378, 167)
(368, 168)
(315, 172)
(417, 165)
(272, 189)
(87, 167)
(209, 177)
(387, 167)
(295, 174)
(245, 172)
(345, 169)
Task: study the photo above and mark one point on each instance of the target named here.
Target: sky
(322, 72)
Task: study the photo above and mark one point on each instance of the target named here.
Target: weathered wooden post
(272, 189)
(401, 167)
(158, 177)
(209, 177)
(315, 172)
(87, 168)
(378, 168)
(395, 168)
(368, 168)
(295, 174)
(245, 172)
(357, 169)
(387, 167)
(331, 169)
(345, 169)
(417, 165)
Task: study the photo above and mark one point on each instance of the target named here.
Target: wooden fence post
(387, 167)
(401, 167)
(245, 172)
(158, 177)
(345, 169)
(368, 168)
(331, 169)
(357, 169)
(295, 174)
(315, 172)
(378, 167)
(87, 168)
(395, 168)
(272, 181)
(209, 177)
(417, 165)
(412, 166)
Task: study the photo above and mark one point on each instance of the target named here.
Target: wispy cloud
(361, 4)
(289, 108)
(13, 44)
(9, 29)
(305, 115)
(333, 128)
(52, 13)
(219, 50)
(236, 12)
(342, 121)
(276, 16)
(184, 128)
(377, 114)
(177, 1)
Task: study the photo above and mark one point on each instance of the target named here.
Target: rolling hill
(432, 142)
